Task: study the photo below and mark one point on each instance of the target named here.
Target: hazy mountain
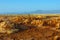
(36, 12)
(46, 11)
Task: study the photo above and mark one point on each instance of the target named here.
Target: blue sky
(28, 5)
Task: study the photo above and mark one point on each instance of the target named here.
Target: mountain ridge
(46, 11)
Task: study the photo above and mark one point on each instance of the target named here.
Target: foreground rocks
(30, 27)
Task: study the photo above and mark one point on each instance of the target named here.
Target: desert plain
(30, 27)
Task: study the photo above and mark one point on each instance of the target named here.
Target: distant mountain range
(45, 11)
(36, 12)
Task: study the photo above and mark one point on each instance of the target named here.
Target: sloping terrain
(30, 27)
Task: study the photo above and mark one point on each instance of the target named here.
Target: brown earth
(29, 27)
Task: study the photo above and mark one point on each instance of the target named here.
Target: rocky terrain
(30, 27)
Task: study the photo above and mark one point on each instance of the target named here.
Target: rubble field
(30, 27)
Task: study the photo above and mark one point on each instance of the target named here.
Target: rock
(57, 38)
(6, 27)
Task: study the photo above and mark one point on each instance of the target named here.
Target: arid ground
(30, 27)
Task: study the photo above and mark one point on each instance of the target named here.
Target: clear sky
(28, 5)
